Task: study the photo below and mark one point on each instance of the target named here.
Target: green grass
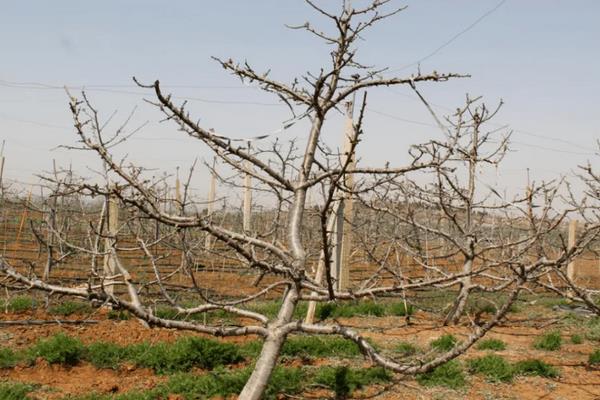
(497, 369)
(515, 308)
(323, 310)
(169, 357)
(119, 315)
(58, 349)
(444, 343)
(20, 304)
(338, 379)
(572, 320)
(449, 375)
(594, 358)
(399, 309)
(15, 390)
(550, 341)
(217, 383)
(105, 355)
(593, 329)
(406, 349)
(494, 367)
(184, 354)
(8, 358)
(222, 383)
(362, 308)
(181, 355)
(343, 381)
(225, 383)
(535, 367)
(491, 344)
(552, 301)
(67, 308)
(576, 339)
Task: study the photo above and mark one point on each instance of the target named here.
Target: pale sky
(541, 57)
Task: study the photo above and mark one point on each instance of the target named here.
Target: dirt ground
(576, 381)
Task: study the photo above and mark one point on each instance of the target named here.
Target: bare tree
(584, 208)
(279, 249)
(450, 217)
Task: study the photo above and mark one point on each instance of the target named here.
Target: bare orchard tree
(61, 232)
(287, 178)
(583, 240)
(448, 223)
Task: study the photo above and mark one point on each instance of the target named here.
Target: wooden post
(337, 234)
(247, 207)
(51, 222)
(571, 272)
(22, 224)
(112, 224)
(178, 191)
(346, 212)
(212, 193)
(342, 233)
(2, 167)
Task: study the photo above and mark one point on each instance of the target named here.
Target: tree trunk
(267, 360)
(460, 302)
(258, 381)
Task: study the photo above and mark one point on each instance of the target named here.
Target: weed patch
(535, 367)
(444, 343)
(325, 310)
(491, 344)
(449, 375)
(366, 308)
(343, 381)
(349, 310)
(224, 383)
(184, 354)
(594, 358)
(593, 329)
(400, 309)
(550, 341)
(105, 355)
(70, 307)
(20, 304)
(319, 346)
(118, 315)
(58, 349)
(406, 349)
(15, 391)
(576, 339)
(8, 358)
(494, 367)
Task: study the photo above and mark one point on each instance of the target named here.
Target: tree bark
(258, 381)
(460, 302)
(267, 360)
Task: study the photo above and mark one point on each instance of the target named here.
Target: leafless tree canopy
(429, 224)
